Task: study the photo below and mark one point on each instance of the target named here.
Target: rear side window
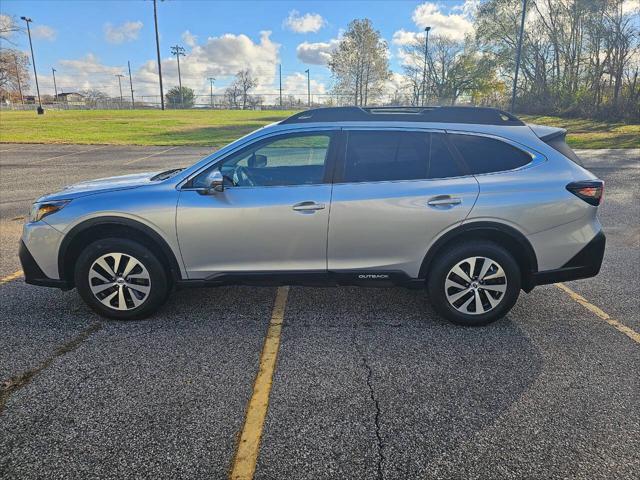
(486, 155)
(386, 156)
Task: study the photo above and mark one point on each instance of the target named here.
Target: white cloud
(316, 53)
(44, 32)
(296, 84)
(220, 57)
(452, 25)
(189, 38)
(397, 83)
(630, 7)
(402, 37)
(126, 32)
(73, 75)
(90, 64)
(307, 23)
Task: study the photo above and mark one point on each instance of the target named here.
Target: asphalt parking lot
(368, 384)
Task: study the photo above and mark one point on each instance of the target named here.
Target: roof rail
(477, 115)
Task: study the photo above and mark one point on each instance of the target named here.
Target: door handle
(308, 206)
(444, 201)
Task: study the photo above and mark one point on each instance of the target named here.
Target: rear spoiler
(545, 133)
(555, 138)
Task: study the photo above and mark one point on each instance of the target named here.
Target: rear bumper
(586, 263)
(33, 274)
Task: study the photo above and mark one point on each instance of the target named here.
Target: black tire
(159, 282)
(457, 253)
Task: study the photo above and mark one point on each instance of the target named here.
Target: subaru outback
(469, 203)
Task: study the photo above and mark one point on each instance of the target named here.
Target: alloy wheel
(475, 285)
(119, 281)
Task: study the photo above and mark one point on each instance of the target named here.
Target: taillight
(591, 191)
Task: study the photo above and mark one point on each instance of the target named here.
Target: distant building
(71, 98)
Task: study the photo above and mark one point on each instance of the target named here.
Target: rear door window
(487, 155)
(373, 156)
(378, 156)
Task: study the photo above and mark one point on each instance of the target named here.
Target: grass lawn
(219, 127)
(585, 133)
(134, 127)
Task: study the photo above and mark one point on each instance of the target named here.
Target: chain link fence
(269, 101)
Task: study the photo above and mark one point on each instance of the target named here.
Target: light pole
(155, 21)
(33, 60)
(119, 75)
(177, 50)
(55, 87)
(424, 68)
(211, 80)
(280, 75)
(133, 105)
(308, 88)
(518, 52)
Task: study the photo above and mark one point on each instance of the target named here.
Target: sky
(89, 42)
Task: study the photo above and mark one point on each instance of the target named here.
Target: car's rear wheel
(121, 279)
(474, 284)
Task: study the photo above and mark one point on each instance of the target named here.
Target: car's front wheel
(121, 279)
(474, 284)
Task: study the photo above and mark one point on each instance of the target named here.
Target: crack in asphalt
(16, 382)
(376, 403)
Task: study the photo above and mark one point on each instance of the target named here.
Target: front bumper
(33, 274)
(586, 263)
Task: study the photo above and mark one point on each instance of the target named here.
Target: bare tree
(237, 93)
(14, 74)
(455, 68)
(246, 82)
(578, 56)
(8, 27)
(360, 63)
(233, 94)
(93, 97)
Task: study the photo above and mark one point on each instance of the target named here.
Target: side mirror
(216, 181)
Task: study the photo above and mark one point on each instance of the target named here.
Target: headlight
(41, 210)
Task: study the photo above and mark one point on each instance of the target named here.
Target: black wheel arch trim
(485, 226)
(174, 266)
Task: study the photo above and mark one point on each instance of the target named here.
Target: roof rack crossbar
(475, 115)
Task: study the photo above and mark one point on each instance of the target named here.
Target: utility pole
(211, 80)
(424, 69)
(177, 50)
(518, 52)
(308, 88)
(55, 87)
(15, 59)
(33, 60)
(119, 75)
(155, 21)
(133, 105)
(280, 72)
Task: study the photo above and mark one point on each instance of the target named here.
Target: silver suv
(470, 203)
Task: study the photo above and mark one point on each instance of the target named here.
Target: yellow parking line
(244, 462)
(632, 334)
(11, 277)
(149, 156)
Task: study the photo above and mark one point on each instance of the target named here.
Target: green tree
(175, 100)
